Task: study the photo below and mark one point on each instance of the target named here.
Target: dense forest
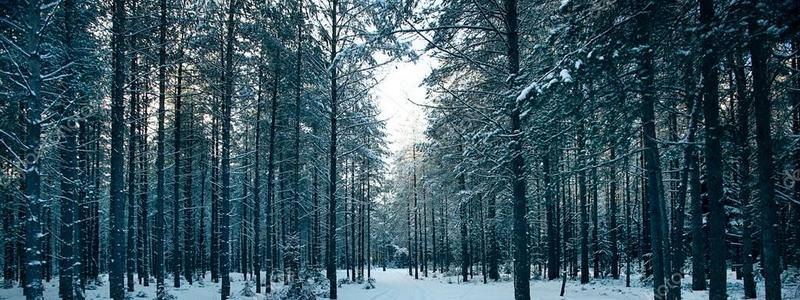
(179, 144)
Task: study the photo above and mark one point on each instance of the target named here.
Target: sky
(401, 81)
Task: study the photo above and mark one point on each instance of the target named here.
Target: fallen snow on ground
(396, 284)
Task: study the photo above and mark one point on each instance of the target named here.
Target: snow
(526, 92)
(564, 4)
(396, 284)
(565, 77)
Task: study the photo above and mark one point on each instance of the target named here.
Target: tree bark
(225, 264)
(117, 207)
(612, 224)
(743, 175)
(652, 165)
(522, 268)
(257, 185)
(68, 274)
(188, 205)
(177, 255)
(130, 262)
(713, 153)
(334, 89)
(768, 220)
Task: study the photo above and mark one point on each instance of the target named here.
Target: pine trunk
(743, 176)
(768, 221)
(117, 241)
(225, 261)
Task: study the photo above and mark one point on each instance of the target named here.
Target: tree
(654, 188)
(743, 174)
(225, 261)
(68, 271)
(713, 152)
(160, 226)
(117, 244)
(759, 54)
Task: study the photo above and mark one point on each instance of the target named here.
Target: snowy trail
(395, 284)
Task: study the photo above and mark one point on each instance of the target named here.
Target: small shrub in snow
(141, 294)
(168, 296)
(322, 288)
(343, 281)
(296, 291)
(247, 290)
(370, 284)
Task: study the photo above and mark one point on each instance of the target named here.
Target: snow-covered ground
(396, 284)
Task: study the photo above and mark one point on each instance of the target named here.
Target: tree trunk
(584, 214)
(159, 217)
(201, 265)
(69, 169)
(462, 212)
(268, 246)
(294, 266)
(214, 247)
(743, 175)
(552, 223)
(177, 255)
(652, 165)
(334, 89)
(225, 264)
(795, 98)
(768, 220)
(628, 231)
(595, 224)
(369, 225)
(612, 224)
(117, 207)
(144, 203)
(713, 153)
(522, 268)
(257, 185)
(188, 205)
(416, 209)
(679, 211)
(130, 262)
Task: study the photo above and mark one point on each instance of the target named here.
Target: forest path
(395, 284)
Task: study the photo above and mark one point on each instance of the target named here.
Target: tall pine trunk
(160, 225)
(177, 255)
(117, 202)
(188, 205)
(257, 185)
(522, 268)
(225, 263)
(68, 269)
(271, 174)
(713, 153)
(743, 174)
(334, 89)
(652, 165)
(582, 201)
(768, 220)
(612, 223)
(130, 262)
